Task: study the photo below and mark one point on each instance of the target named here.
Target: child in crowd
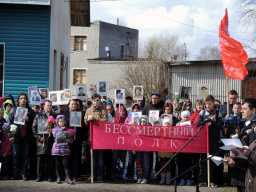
(185, 159)
(176, 108)
(212, 114)
(8, 105)
(143, 158)
(198, 106)
(163, 158)
(5, 153)
(232, 126)
(121, 115)
(168, 109)
(187, 106)
(234, 123)
(36, 108)
(132, 156)
(2, 121)
(117, 170)
(61, 150)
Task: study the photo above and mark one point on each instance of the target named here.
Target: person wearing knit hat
(185, 115)
(185, 159)
(143, 158)
(8, 105)
(143, 118)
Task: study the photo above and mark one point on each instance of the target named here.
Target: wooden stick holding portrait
(41, 127)
(75, 120)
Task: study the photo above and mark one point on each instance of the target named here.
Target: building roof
(27, 2)
(173, 63)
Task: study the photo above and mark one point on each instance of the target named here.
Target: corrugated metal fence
(208, 73)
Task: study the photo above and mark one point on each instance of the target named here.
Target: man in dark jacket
(44, 145)
(155, 104)
(232, 98)
(249, 164)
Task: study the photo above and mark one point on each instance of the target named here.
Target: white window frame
(82, 37)
(2, 43)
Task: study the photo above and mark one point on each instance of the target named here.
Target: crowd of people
(26, 154)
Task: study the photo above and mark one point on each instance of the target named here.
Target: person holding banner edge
(96, 112)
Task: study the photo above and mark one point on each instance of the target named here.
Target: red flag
(233, 54)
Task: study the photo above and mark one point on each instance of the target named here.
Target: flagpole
(91, 150)
(227, 89)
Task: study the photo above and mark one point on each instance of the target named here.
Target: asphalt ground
(33, 186)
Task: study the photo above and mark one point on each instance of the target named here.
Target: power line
(188, 25)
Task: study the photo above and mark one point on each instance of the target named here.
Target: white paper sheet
(232, 144)
(217, 160)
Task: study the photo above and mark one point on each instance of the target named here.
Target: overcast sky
(196, 22)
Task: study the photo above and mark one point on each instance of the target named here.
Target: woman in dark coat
(21, 138)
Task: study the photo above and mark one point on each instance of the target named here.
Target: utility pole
(185, 52)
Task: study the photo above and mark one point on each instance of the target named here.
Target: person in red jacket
(5, 153)
(198, 106)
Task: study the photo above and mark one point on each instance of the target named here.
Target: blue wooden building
(34, 49)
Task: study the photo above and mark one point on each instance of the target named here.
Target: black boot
(69, 181)
(58, 175)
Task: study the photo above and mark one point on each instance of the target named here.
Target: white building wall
(59, 41)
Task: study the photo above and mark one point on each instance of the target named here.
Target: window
(61, 70)
(67, 71)
(54, 69)
(79, 76)
(1, 69)
(122, 51)
(80, 43)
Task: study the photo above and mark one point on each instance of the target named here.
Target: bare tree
(209, 53)
(150, 70)
(248, 15)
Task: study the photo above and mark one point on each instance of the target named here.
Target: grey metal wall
(209, 73)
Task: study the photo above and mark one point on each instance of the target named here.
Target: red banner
(233, 54)
(106, 135)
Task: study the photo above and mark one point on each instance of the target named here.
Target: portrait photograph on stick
(119, 96)
(41, 126)
(53, 97)
(29, 91)
(67, 93)
(61, 98)
(102, 88)
(35, 98)
(81, 92)
(19, 114)
(75, 119)
(202, 90)
(44, 93)
(153, 115)
(185, 93)
(138, 93)
(136, 117)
